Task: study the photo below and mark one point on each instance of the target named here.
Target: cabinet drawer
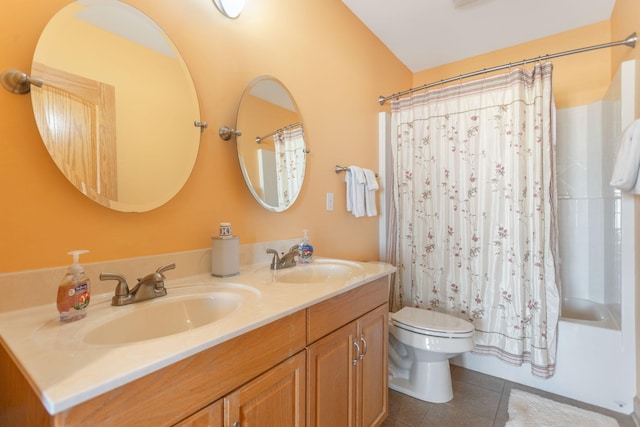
(327, 316)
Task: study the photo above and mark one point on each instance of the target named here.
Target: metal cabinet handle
(359, 355)
(236, 424)
(364, 346)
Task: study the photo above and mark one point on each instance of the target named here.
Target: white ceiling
(427, 33)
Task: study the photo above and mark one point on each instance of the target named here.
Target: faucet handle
(276, 258)
(272, 251)
(164, 268)
(122, 289)
(294, 248)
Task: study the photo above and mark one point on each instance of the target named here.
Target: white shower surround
(588, 207)
(595, 362)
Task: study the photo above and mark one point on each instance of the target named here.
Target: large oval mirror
(271, 149)
(118, 107)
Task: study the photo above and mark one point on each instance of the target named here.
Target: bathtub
(590, 363)
(590, 313)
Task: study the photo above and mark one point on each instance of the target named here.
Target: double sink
(194, 305)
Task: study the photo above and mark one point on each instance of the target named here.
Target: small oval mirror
(271, 149)
(117, 107)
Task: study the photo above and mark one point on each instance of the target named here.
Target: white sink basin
(162, 317)
(319, 271)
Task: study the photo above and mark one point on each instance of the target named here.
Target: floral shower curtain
(476, 212)
(290, 162)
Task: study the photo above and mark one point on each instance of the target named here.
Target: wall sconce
(230, 8)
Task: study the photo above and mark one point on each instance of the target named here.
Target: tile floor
(479, 400)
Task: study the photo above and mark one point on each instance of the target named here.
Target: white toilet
(421, 342)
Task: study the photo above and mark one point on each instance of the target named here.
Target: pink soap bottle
(74, 291)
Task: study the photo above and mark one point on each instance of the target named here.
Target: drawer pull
(364, 346)
(359, 354)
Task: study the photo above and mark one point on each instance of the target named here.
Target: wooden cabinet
(211, 416)
(275, 398)
(372, 375)
(347, 369)
(331, 385)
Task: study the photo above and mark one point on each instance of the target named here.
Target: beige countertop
(64, 370)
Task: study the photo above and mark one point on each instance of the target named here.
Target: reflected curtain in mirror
(290, 162)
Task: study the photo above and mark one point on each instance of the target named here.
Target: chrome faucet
(149, 287)
(287, 260)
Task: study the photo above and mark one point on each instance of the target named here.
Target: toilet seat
(433, 323)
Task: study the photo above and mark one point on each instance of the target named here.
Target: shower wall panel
(587, 206)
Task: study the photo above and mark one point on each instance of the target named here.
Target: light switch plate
(329, 201)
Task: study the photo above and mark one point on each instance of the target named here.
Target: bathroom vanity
(291, 354)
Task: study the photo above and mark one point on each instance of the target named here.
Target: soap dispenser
(306, 250)
(74, 291)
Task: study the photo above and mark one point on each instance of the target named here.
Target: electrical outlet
(329, 201)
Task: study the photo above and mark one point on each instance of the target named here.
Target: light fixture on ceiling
(230, 8)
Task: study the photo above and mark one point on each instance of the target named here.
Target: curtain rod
(282, 129)
(629, 41)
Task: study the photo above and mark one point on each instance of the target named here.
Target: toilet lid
(431, 322)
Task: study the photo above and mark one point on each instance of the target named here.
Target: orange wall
(335, 67)
(625, 20)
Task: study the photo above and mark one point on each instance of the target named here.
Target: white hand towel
(348, 179)
(625, 172)
(357, 191)
(371, 186)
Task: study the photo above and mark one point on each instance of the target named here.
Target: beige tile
(392, 422)
(406, 409)
(476, 400)
(479, 379)
(502, 415)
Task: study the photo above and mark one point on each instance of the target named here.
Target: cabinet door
(274, 399)
(331, 386)
(372, 368)
(211, 416)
